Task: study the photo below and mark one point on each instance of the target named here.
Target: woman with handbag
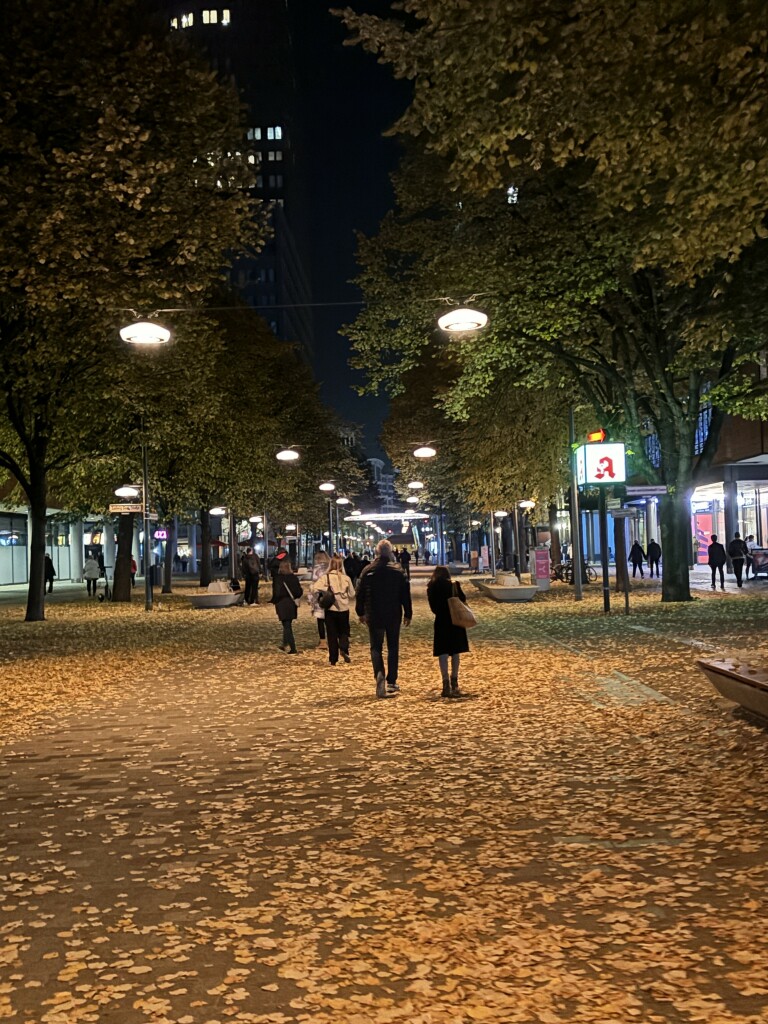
(286, 595)
(450, 641)
(334, 591)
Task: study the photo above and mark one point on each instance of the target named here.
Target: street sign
(153, 517)
(624, 513)
(126, 508)
(647, 489)
(613, 503)
(601, 464)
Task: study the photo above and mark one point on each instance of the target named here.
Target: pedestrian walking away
(49, 573)
(250, 566)
(91, 572)
(751, 545)
(405, 561)
(637, 557)
(337, 616)
(383, 604)
(737, 552)
(716, 560)
(322, 564)
(654, 554)
(449, 641)
(286, 593)
(134, 570)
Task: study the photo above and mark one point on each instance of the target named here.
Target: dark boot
(446, 687)
(455, 691)
(381, 686)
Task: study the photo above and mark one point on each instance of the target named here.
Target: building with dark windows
(250, 43)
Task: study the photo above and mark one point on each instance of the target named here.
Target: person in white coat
(319, 568)
(337, 616)
(91, 572)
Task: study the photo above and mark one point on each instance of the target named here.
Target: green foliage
(664, 107)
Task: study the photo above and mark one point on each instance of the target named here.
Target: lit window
(275, 181)
(275, 132)
(512, 194)
(174, 22)
(251, 158)
(210, 17)
(187, 20)
(254, 134)
(275, 154)
(225, 18)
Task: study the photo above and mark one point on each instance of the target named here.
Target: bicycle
(107, 595)
(563, 571)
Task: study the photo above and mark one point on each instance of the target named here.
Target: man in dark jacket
(737, 552)
(654, 555)
(383, 601)
(716, 560)
(251, 567)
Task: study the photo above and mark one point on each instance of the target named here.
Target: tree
(121, 187)
(567, 312)
(664, 107)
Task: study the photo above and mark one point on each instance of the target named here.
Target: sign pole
(603, 515)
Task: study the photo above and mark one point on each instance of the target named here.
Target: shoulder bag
(326, 598)
(461, 615)
(297, 600)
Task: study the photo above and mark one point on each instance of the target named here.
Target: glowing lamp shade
(413, 500)
(415, 485)
(144, 332)
(218, 510)
(290, 527)
(356, 512)
(500, 514)
(475, 522)
(527, 504)
(343, 501)
(458, 321)
(424, 452)
(287, 455)
(327, 487)
(255, 519)
(127, 492)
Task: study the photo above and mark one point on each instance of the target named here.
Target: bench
(738, 679)
(218, 595)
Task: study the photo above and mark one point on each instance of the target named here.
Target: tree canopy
(663, 107)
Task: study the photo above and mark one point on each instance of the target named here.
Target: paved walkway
(222, 832)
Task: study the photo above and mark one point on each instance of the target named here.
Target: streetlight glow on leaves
(287, 455)
(328, 487)
(415, 485)
(218, 510)
(425, 452)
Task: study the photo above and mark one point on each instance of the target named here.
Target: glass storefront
(13, 549)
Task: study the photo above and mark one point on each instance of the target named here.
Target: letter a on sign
(601, 464)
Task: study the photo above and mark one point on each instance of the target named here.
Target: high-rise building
(250, 43)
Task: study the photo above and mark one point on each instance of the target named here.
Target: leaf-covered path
(198, 828)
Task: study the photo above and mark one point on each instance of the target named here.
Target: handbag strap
(290, 592)
(328, 581)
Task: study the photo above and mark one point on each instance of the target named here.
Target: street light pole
(145, 502)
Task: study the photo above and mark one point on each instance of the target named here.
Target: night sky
(347, 100)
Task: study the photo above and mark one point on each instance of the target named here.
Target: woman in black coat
(285, 589)
(450, 641)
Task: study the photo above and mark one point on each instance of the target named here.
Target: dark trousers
(89, 584)
(714, 569)
(738, 569)
(321, 628)
(337, 628)
(652, 564)
(635, 567)
(49, 582)
(251, 588)
(288, 638)
(377, 634)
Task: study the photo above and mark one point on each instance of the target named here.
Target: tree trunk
(38, 507)
(675, 523)
(170, 551)
(121, 590)
(206, 569)
(555, 551)
(622, 567)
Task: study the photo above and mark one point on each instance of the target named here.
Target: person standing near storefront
(737, 552)
(716, 560)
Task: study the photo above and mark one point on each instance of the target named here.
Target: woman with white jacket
(337, 616)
